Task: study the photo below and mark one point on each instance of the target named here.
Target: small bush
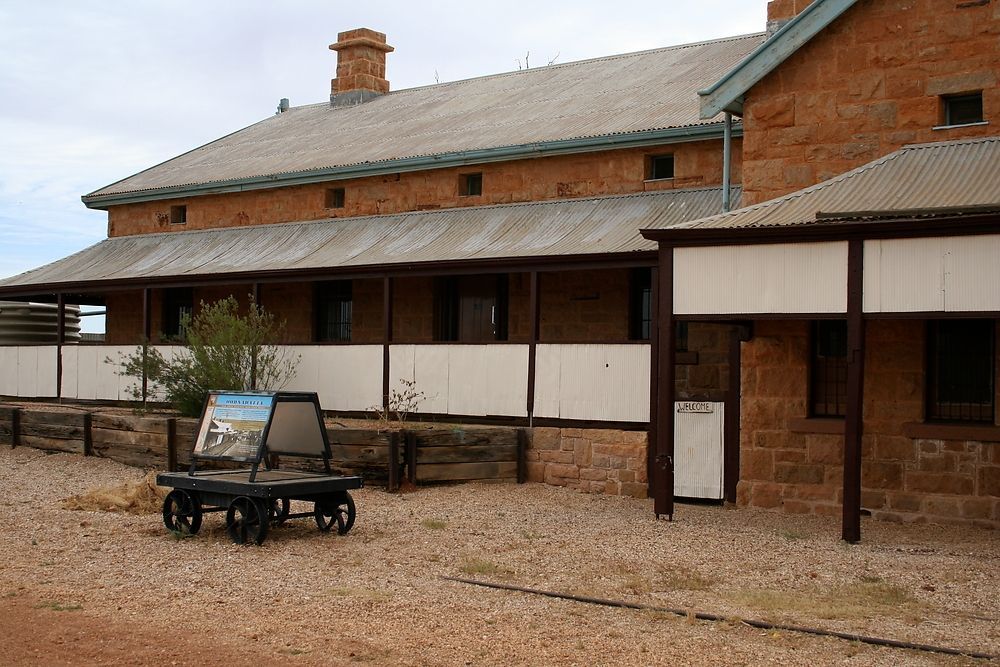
(224, 351)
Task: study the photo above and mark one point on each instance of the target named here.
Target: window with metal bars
(334, 311)
(961, 370)
(828, 369)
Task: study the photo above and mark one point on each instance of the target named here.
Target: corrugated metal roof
(569, 227)
(915, 181)
(615, 95)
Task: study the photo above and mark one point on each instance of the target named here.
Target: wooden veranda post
(147, 333)
(386, 337)
(60, 340)
(854, 418)
(663, 466)
(533, 345)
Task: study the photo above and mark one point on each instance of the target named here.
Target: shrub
(223, 350)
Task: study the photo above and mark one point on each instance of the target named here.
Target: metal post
(854, 418)
(654, 380)
(727, 159)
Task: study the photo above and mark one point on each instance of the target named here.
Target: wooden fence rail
(381, 457)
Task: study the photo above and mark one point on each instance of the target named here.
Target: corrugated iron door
(698, 452)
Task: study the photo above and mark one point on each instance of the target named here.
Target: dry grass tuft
(866, 598)
(141, 497)
(484, 567)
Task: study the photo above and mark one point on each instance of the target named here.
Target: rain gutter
(421, 163)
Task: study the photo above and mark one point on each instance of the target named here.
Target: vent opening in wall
(178, 215)
(470, 185)
(335, 198)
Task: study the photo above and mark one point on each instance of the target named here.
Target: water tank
(35, 323)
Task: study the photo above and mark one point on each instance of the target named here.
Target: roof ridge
(572, 63)
(951, 142)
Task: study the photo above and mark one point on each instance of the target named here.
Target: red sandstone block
(789, 456)
(907, 502)
(882, 475)
(946, 462)
(825, 449)
(535, 472)
(989, 481)
(582, 454)
(943, 483)
(793, 473)
(872, 499)
(756, 464)
(796, 507)
(544, 438)
(594, 474)
(821, 492)
(556, 470)
(556, 457)
(978, 508)
(949, 508)
(765, 495)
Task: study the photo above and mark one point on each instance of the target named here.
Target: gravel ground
(376, 596)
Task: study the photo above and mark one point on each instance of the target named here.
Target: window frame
(178, 214)
(176, 303)
(448, 309)
(470, 184)
(326, 294)
(335, 198)
(978, 412)
(652, 162)
(822, 366)
(948, 102)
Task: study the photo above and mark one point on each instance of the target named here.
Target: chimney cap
(361, 37)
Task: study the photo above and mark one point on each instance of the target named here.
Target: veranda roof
(534, 231)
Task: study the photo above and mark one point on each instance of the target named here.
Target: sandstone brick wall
(868, 84)
(602, 461)
(621, 171)
(796, 467)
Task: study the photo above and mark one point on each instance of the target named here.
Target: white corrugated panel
(36, 371)
(8, 371)
(48, 371)
(464, 379)
(87, 368)
(593, 382)
(27, 372)
(698, 438)
(70, 371)
(757, 279)
(346, 377)
(944, 274)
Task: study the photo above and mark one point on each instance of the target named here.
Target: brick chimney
(360, 67)
(780, 12)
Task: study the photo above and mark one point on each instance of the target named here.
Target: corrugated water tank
(34, 323)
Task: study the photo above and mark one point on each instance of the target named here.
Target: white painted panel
(48, 371)
(548, 360)
(87, 359)
(904, 275)
(27, 371)
(430, 371)
(972, 273)
(346, 377)
(593, 381)
(947, 274)
(8, 371)
(107, 379)
(70, 370)
(488, 380)
(698, 438)
(773, 278)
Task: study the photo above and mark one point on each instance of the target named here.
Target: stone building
(482, 237)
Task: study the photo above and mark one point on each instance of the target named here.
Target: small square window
(335, 198)
(659, 167)
(963, 109)
(178, 215)
(470, 185)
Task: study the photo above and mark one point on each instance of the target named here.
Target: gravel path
(376, 596)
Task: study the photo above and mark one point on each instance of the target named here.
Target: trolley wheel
(182, 512)
(339, 510)
(246, 520)
(278, 510)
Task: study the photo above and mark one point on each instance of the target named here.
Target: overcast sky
(93, 92)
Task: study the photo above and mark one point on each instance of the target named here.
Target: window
(640, 316)
(470, 185)
(178, 307)
(960, 370)
(334, 311)
(828, 369)
(335, 198)
(659, 166)
(471, 309)
(962, 109)
(178, 215)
